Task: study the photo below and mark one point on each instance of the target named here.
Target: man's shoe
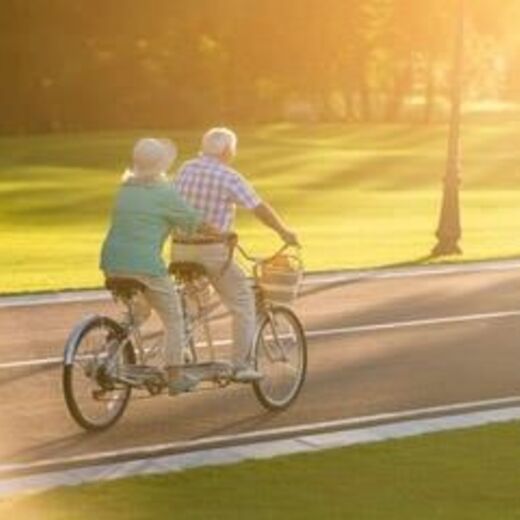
(246, 374)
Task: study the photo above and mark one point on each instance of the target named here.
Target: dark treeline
(97, 64)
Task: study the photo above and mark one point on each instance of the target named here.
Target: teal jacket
(143, 217)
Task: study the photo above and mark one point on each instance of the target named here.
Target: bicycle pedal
(155, 387)
(222, 382)
(223, 369)
(98, 394)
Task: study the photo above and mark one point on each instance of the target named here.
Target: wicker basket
(280, 278)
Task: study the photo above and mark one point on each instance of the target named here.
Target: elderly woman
(147, 209)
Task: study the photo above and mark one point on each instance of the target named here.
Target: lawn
(467, 474)
(360, 196)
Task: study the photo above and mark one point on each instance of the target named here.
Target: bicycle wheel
(280, 353)
(93, 353)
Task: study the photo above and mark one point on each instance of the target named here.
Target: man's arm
(242, 193)
(268, 216)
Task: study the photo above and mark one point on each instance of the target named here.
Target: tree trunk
(430, 91)
(402, 86)
(364, 92)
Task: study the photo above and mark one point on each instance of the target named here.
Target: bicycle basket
(280, 278)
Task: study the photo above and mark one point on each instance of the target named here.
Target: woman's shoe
(179, 382)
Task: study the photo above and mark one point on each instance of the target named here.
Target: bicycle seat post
(191, 278)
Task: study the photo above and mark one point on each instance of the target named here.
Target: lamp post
(449, 230)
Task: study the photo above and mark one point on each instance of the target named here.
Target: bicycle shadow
(355, 277)
(364, 275)
(49, 448)
(244, 425)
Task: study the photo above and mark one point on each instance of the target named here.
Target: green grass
(360, 196)
(468, 474)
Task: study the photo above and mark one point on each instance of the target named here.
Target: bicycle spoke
(281, 357)
(94, 398)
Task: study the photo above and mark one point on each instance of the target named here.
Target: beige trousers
(233, 288)
(160, 295)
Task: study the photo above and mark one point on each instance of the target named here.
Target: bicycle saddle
(187, 271)
(124, 287)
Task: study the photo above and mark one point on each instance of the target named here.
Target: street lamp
(449, 231)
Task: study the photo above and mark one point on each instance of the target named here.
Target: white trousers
(160, 295)
(233, 288)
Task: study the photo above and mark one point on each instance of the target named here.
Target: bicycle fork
(277, 341)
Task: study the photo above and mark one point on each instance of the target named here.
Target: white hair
(151, 160)
(217, 140)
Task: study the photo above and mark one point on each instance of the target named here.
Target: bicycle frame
(196, 317)
(112, 356)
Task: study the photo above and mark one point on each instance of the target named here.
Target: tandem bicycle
(105, 359)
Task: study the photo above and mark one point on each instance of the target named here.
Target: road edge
(361, 431)
(37, 477)
(311, 278)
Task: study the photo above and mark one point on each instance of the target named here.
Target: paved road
(406, 364)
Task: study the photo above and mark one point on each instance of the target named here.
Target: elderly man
(210, 185)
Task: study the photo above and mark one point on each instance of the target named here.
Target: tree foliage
(92, 64)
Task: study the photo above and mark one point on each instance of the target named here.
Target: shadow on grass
(55, 208)
(76, 183)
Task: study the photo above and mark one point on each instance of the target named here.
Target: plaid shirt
(215, 189)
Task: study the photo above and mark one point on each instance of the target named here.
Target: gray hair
(151, 160)
(217, 140)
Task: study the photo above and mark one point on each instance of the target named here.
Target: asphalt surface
(350, 374)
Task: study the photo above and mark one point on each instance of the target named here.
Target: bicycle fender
(75, 336)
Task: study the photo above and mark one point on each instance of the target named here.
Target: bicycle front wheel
(280, 354)
(95, 351)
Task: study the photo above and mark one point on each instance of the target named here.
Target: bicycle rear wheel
(95, 351)
(280, 354)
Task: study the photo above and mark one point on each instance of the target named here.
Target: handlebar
(258, 259)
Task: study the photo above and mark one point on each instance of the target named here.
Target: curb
(257, 450)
